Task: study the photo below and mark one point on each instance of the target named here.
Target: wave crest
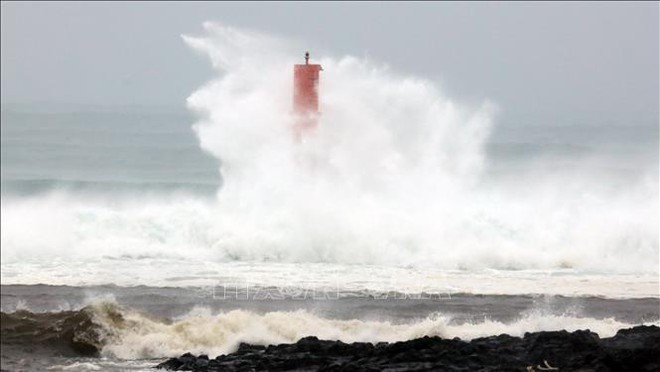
(110, 329)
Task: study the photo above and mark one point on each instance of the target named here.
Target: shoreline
(630, 349)
(119, 328)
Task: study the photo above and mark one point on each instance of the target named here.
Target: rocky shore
(634, 349)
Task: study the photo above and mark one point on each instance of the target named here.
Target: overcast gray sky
(550, 62)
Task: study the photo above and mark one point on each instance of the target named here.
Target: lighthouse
(306, 97)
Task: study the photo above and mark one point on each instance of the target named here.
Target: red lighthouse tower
(306, 96)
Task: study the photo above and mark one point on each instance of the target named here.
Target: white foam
(201, 331)
(391, 175)
(325, 277)
(76, 366)
(392, 178)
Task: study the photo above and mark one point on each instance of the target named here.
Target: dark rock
(172, 364)
(635, 349)
(201, 364)
(309, 344)
(564, 350)
(244, 348)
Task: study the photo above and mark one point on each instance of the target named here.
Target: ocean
(147, 232)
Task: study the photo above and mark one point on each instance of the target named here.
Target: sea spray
(127, 333)
(390, 175)
(394, 176)
(385, 172)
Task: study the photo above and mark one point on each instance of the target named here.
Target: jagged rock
(635, 349)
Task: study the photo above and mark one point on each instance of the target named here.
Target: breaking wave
(393, 176)
(106, 328)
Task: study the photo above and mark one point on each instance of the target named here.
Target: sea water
(405, 213)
